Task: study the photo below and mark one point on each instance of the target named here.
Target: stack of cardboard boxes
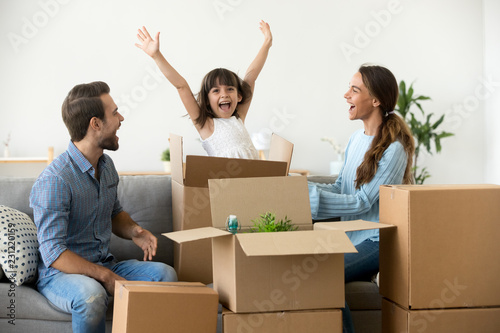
(270, 282)
(440, 268)
(267, 282)
(273, 282)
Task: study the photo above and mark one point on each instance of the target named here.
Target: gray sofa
(148, 200)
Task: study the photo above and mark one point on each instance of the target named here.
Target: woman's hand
(148, 44)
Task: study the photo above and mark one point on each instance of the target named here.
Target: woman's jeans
(87, 300)
(359, 266)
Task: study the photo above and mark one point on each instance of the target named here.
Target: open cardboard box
(445, 251)
(266, 272)
(191, 201)
(178, 307)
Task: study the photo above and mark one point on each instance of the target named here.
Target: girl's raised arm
(257, 64)
(152, 48)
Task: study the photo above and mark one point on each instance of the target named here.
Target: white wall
(48, 46)
(492, 103)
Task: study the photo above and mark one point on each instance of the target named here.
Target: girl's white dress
(230, 139)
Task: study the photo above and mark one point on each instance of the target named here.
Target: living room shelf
(48, 159)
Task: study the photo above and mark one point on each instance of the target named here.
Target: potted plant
(267, 223)
(425, 132)
(165, 157)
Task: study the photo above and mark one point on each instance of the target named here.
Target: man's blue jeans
(359, 266)
(87, 300)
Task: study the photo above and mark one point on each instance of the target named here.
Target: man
(75, 208)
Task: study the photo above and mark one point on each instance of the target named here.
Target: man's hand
(108, 281)
(146, 241)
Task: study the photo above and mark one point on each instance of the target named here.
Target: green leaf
(437, 123)
(410, 93)
(437, 142)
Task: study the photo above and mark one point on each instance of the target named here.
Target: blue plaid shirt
(72, 210)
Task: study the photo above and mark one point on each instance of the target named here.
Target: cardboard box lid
(176, 162)
(248, 198)
(195, 234)
(295, 243)
(199, 169)
(445, 187)
(276, 243)
(161, 287)
(355, 225)
(281, 150)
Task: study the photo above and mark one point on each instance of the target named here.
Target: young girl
(222, 105)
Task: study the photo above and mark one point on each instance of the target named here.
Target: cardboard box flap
(307, 242)
(157, 287)
(248, 198)
(199, 169)
(351, 225)
(436, 187)
(195, 234)
(176, 158)
(281, 150)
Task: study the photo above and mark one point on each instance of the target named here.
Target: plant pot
(167, 167)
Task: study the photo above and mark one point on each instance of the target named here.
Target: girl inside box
(220, 109)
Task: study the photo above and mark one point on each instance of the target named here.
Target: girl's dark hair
(220, 76)
(383, 86)
(82, 104)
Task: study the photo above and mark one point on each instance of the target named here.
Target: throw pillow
(18, 246)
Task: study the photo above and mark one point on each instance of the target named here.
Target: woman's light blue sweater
(343, 200)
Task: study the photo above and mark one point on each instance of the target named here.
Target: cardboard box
(191, 203)
(164, 307)
(445, 252)
(396, 319)
(317, 321)
(355, 225)
(276, 271)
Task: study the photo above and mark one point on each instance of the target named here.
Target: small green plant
(267, 223)
(165, 156)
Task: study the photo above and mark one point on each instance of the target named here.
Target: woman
(380, 153)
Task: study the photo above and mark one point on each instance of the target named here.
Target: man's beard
(109, 143)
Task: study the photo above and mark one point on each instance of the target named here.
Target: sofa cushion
(18, 246)
(15, 193)
(148, 200)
